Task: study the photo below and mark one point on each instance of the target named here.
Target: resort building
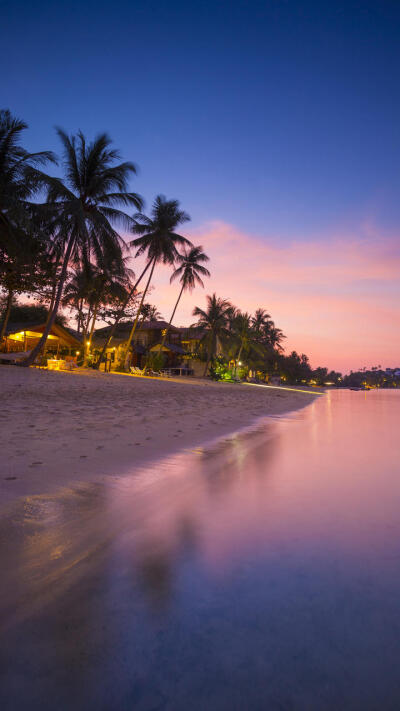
(23, 337)
(147, 338)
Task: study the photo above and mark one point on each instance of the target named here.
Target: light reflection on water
(260, 573)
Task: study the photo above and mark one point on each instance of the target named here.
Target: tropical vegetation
(66, 244)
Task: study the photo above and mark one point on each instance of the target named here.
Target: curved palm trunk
(164, 338)
(80, 315)
(6, 315)
(54, 288)
(39, 346)
(121, 313)
(132, 333)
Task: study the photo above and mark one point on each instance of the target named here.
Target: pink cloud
(336, 299)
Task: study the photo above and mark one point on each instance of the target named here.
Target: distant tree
(320, 375)
(32, 313)
(214, 322)
(260, 322)
(151, 312)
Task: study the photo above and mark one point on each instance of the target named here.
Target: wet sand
(260, 573)
(60, 428)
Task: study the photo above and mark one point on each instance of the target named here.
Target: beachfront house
(146, 339)
(21, 338)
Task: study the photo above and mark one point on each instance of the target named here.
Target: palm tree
(21, 245)
(188, 272)
(158, 240)
(260, 321)
(151, 312)
(243, 332)
(77, 292)
(110, 284)
(214, 321)
(85, 206)
(20, 177)
(275, 337)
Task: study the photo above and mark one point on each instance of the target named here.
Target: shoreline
(61, 429)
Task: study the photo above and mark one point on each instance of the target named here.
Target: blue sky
(277, 126)
(276, 117)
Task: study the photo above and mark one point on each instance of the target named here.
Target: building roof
(189, 333)
(123, 329)
(170, 347)
(64, 334)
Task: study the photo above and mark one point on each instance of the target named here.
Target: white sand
(58, 428)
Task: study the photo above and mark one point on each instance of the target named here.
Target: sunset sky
(275, 123)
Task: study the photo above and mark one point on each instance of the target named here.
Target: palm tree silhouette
(188, 272)
(20, 179)
(260, 321)
(85, 206)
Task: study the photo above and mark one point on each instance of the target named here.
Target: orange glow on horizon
(337, 299)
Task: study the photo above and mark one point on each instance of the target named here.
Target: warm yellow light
(77, 352)
(88, 343)
(240, 362)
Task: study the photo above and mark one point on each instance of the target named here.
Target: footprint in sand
(83, 456)
(100, 446)
(10, 478)
(35, 464)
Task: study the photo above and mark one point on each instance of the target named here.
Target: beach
(62, 428)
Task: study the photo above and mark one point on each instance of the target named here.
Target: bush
(155, 361)
(219, 370)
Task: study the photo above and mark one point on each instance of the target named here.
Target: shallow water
(260, 573)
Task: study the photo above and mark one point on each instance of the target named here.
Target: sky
(276, 125)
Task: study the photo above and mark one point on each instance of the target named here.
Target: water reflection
(263, 572)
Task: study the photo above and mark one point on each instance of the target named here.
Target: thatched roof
(66, 335)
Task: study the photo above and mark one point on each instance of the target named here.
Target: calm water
(263, 573)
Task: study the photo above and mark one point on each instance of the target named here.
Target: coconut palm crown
(20, 176)
(85, 206)
(158, 238)
(191, 267)
(188, 274)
